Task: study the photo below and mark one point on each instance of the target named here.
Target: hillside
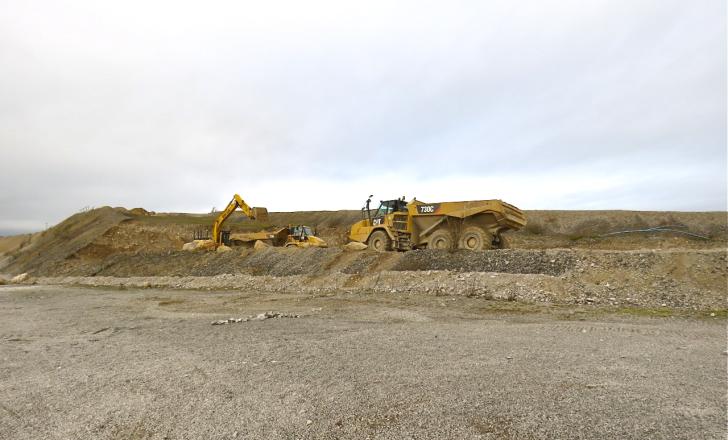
(88, 239)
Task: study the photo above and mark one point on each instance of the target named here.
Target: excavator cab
(225, 237)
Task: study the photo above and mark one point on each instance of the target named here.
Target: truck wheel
(475, 238)
(441, 239)
(379, 241)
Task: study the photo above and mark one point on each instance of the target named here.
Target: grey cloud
(166, 106)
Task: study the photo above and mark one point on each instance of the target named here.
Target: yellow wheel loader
(293, 236)
(303, 236)
(402, 226)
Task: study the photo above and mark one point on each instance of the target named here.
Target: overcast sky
(175, 106)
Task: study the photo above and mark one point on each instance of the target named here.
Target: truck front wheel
(379, 241)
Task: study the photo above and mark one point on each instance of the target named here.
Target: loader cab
(301, 232)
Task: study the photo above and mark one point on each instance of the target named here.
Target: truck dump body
(492, 216)
(506, 214)
(474, 225)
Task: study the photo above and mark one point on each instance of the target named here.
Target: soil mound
(58, 243)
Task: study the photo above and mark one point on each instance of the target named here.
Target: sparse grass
(534, 228)
(719, 313)
(570, 312)
(575, 237)
(237, 222)
(176, 219)
(656, 312)
(645, 311)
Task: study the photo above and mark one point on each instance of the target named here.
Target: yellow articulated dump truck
(402, 226)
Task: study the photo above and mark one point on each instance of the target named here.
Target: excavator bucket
(261, 215)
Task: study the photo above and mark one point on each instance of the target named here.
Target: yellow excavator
(299, 236)
(259, 214)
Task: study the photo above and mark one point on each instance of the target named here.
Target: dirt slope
(58, 243)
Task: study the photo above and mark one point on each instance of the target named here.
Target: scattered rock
(259, 317)
(198, 245)
(223, 248)
(23, 277)
(355, 246)
(260, 245)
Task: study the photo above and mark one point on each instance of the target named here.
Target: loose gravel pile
(692, 280)
(553, 262)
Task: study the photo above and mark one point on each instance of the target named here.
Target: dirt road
(135, 364)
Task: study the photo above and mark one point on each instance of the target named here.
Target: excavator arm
(237, 202)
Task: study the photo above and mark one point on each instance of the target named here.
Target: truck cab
(387, 207)
(385, 228)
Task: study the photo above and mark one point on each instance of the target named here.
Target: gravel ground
(137, 364)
